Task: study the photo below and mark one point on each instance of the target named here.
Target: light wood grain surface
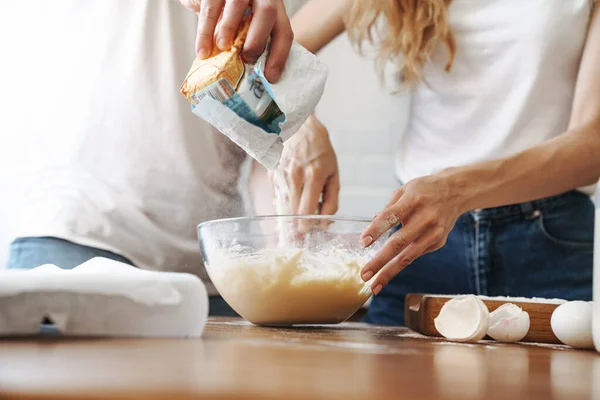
(236, 360)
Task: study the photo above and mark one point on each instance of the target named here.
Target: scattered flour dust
(281, 199)
(281, 191)
(286, 286)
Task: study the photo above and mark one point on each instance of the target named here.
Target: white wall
(365, 122)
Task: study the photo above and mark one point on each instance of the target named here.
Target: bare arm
(318, 22)
(428, 207)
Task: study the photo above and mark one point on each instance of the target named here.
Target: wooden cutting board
(421, 309)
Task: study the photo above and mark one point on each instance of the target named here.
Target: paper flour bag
(236, 98)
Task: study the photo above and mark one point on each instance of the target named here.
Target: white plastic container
(596, 317)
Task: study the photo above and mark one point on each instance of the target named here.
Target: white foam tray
(103, 297)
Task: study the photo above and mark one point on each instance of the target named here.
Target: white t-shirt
(121, 163)
(511, 86)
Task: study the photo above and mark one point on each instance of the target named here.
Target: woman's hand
(427, 208)
(309, 166)
(219, 21)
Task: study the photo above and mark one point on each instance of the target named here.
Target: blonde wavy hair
(405, 32)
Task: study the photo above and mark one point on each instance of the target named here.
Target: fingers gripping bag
(237, 99)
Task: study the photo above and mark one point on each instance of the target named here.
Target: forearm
(318, 23)
(564, 163)
(261, 190)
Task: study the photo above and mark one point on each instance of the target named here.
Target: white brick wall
(365, 122)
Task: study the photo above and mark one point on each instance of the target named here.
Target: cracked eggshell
(572, 324)
(463, 319)
(508, 323)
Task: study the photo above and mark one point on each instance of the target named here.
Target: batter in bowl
(287, 286)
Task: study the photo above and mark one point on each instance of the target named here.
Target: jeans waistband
(528, 208)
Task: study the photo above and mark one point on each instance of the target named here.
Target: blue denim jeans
(537, 249)
(31, 252)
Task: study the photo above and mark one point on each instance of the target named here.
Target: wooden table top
(235, 360)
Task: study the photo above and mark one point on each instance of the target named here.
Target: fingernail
(367, 275)
(203, 53)
(377, 289)
(275, 74)
(366, 241)
(223, 44)
(249, 57)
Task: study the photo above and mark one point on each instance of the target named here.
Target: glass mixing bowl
(289, 270)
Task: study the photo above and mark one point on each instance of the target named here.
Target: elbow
(592, 129)
(585, 140)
